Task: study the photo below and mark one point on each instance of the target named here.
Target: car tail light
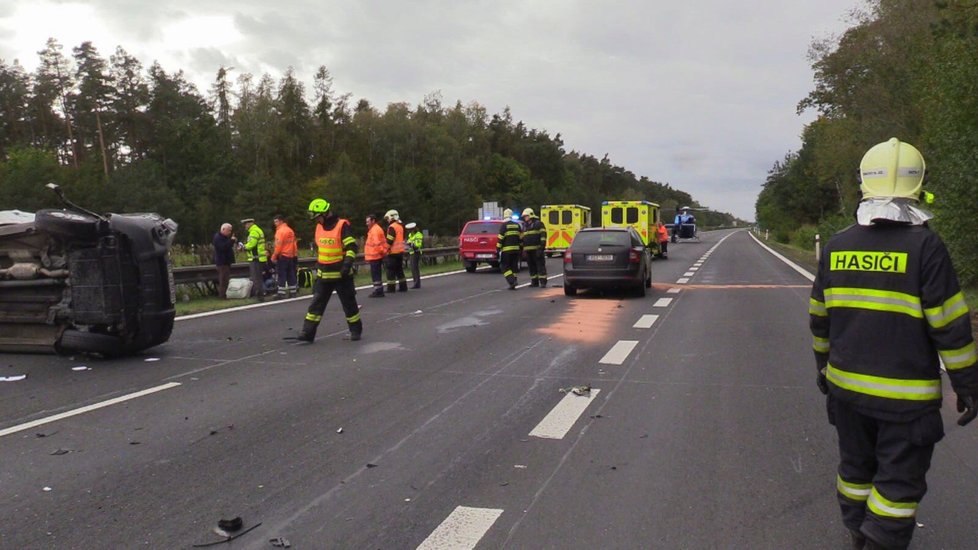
(635, 255)
(567, 257)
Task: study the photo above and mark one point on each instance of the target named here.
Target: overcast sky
(699, 94)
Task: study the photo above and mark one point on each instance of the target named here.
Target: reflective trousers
(882, 471)
(395, 273)
(322, 290)
(509, 264)
(536, 261)
(285, 268)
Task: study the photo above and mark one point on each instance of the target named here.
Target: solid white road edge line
(92, 407)
(562, 418)
(646, 321)
(804, 272)
(463, 528)
(662, 302)
(619, 352)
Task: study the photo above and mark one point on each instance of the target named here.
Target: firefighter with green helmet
(885, 311)
(337, 250)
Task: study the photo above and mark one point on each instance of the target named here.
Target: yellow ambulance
(563, 222)
(642, 215)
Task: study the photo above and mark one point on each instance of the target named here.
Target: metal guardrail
(207, 273)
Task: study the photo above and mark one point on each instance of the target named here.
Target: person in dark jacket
(886, 311)
(224, 242)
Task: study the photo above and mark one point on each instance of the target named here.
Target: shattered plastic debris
(519, 466)
(46, 489)
(81, 367)
(61, 451)
(231, 525)
(418, 312)
(152, 359)
(578, 390)
(371, 465)
(339, 431)
(920, 525)
(13, 378)
(280, 542)
(224, 529)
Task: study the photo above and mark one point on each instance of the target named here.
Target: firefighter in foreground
(395, 258)
(508, 247)
(534, 237)
(884, 307)
(334, 271)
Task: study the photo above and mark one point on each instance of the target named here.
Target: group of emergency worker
(886, 312)
(515, 241)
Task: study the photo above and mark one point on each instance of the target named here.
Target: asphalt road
(445, 427)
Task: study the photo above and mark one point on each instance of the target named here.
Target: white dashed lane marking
(682, 280)
(82, 410)
(674, 291)
(463, 528)
(619, 352)
(688, 274)
(662, 302)
(563, 417)
(646, 321)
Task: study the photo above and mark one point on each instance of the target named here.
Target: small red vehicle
(477, 243)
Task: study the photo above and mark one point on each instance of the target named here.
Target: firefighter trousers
(882, 470)
(395, 273)
(509, 264)
(536, 260)
(322, 290)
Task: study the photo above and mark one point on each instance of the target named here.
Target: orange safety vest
(398, 246)
(284, 242)
(376, 246)
(330, 243)
(663, 233)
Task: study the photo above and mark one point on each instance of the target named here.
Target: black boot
(391, 289)
(356, 331)
(416, 286)
(377, 293)
(873, 545)
(308, 332)
(402, 286)
(858, 540)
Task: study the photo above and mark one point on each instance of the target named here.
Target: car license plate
(485, 255)
(600, 257)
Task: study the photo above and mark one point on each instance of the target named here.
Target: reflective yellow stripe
(946, 313)
(347, 241)
(510, 248)
(881, 506)
(350, 254)
(817, 308)
(511, 234)
(820, 345)
(531, 247)
(853, 491)
(313, 317)
(323, 274)
(353, 319)
(507, 273)
(888, 388)
(959, 358)
(876, 300)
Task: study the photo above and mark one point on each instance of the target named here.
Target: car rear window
(566, 217)
(601, 238)
(480, 228)
(553, 217)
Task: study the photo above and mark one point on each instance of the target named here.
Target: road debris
(418, 312)
(42, 434)
(371, 465)
(228, 537)
(46, 489)
(280, 542)
(339, 431)
(577, 390)
(151, 359)
(61, 451)
(81, 367)
(13, 378)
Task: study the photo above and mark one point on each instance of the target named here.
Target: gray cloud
(699, 94)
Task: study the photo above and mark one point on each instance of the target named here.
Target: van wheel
(569, 290)
(89, 342)
(469, 266)
(67, 224)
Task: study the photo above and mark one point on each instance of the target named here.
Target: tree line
(122, 138)
(905, 69)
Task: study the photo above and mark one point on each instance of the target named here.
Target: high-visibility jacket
(510, 237)
(884, 307)
(395, 237)
(375, 247)
(663, 233)
(336, 244)
(416, 240)
(534, 235)
(255, 246)
(284, 242)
